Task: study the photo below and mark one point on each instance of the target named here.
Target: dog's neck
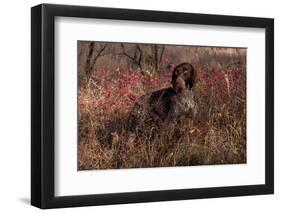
(183, 93)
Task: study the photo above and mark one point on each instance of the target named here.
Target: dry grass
(216, 136)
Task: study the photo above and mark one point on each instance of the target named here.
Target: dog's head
(183, 77)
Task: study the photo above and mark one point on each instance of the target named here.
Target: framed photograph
(139, 106)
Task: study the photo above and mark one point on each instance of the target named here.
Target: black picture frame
(43, 105)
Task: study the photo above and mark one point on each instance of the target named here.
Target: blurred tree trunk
(157, 53)
(155, 56)
(92, 58)
(88, 61)
(134, 55)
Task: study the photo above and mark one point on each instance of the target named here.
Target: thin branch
(162, 53)
(91, 59)
(136, 58)
(98, 55)
(140, 57)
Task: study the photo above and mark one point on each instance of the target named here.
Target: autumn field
(112, 78)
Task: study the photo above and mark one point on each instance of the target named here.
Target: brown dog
(170, 106)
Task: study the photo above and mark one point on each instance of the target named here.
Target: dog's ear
(191, 82)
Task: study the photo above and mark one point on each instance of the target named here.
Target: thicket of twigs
(112, 76)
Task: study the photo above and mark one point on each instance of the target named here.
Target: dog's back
(168, 106)
(152, 107)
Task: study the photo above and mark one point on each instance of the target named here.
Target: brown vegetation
(120, 74)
